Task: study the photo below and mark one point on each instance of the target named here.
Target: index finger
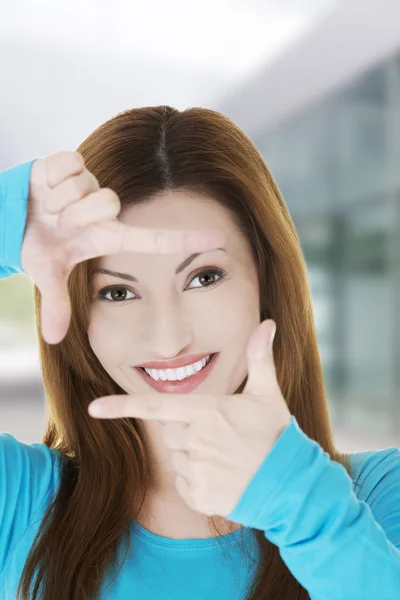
(114, 237)
(167, 241)
(153, 406)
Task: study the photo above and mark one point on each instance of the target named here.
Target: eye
(110, 290)
(205, 273)
(115, 290)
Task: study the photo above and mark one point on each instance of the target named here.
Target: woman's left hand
(219, 441)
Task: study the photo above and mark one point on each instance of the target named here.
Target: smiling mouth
(212, 356)
(179, 386)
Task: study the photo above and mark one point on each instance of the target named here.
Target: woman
(300, 524)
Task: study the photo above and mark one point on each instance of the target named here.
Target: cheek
(108, 341)
(234, 319)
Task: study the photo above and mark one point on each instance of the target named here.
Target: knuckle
(78, 185)
(76, 159)
(152, 403)
(113, 199)
(59, 165)
(94, 180)
(53, 161)
(160, 240)
(192, 437)
(66, 217)
(126, 405)
(64, 160)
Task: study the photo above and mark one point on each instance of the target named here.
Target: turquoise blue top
(340, 540)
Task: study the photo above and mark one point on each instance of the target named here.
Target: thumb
(261, 366)
(55, 307)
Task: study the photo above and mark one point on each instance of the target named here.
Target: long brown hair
(104, 467)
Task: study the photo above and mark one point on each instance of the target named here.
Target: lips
(182, 386)
(211, 355)
(176, 363)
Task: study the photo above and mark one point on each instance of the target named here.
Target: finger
(113, 237)
(55, 313)
(60, 166)
(167, 241)
(71, 191)
(150, 406)
(98, 206)
(261, 366)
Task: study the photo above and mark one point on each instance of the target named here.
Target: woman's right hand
(71, 219)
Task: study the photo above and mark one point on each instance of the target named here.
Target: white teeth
(180, 373)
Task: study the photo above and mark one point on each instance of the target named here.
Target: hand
(219, 442)
(69, 220)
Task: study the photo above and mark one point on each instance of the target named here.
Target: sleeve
(335, 544)
(27, 477)
(14, 192)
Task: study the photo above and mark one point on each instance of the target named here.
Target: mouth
(180, 386)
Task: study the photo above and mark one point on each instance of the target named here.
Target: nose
(168, 331)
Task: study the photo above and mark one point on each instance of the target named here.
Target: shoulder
(374, 469)
(376, 478)
(29, 475)
(26, 471)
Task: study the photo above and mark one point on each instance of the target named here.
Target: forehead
(178, 210)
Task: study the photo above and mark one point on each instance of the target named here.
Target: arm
(335, 544)
(14, 192)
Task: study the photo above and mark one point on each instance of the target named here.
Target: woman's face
(165, 315)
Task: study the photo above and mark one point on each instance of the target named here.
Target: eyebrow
(180, 268)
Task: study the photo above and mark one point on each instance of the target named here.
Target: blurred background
(314, 83)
